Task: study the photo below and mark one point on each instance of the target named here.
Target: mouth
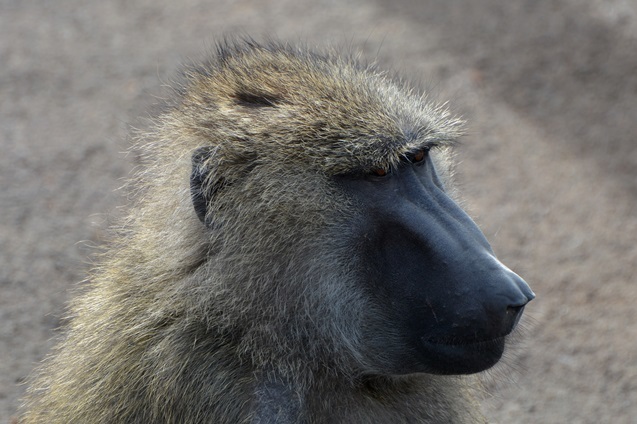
(462, 356)
(463, 341)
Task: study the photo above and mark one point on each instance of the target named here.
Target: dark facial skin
(451, 301)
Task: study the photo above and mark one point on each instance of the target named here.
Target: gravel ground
(549, 167)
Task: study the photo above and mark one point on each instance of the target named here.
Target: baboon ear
(203, 184)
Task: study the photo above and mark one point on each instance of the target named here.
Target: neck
(417, 398)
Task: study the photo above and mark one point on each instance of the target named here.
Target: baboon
(292, 255)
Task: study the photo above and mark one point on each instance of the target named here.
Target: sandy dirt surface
(548, 168)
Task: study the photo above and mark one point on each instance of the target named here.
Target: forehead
(325, 110)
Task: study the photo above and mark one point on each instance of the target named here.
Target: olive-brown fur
(184, 322)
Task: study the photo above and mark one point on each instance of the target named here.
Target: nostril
(517, 303)
(514, 310)
(513, 315)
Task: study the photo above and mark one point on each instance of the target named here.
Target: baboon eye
(380, 172)
(420, 155)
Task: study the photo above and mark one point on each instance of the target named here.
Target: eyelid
(380, 172)
(414, 157)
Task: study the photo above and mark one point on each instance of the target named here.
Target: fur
(258, 314)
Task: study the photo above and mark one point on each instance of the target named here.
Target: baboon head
(322, 191)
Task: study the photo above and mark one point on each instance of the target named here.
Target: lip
(476, 343)
(462, 356)
(474, 340)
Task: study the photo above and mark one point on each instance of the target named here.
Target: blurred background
(548, 167)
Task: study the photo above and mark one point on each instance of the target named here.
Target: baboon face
(450, 301)
(441, 301)
(310, 147)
